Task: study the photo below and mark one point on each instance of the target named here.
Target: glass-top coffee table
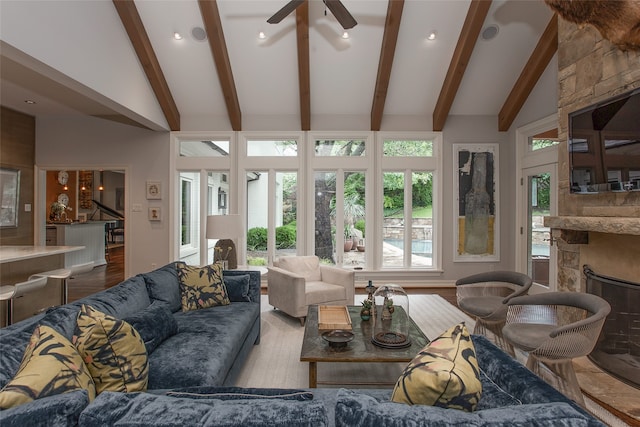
(360, 350)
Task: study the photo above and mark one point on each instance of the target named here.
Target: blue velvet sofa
(192, 372)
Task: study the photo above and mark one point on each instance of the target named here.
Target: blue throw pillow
(163, 285)
(240, 393)
(154, 324)
(237, 287)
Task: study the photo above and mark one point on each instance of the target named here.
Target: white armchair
(296, 282)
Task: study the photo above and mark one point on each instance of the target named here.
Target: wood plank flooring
(100, 278)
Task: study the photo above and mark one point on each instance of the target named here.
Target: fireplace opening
(618, 348)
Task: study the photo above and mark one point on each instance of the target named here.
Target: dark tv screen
(604, 146)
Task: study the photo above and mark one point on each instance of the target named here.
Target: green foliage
(360, 224)
(286, 236)
(256, 261)
(257, 239)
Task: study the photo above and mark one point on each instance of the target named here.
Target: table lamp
(224, 228)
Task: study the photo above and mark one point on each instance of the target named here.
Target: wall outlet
(136, 207)
(27, 207)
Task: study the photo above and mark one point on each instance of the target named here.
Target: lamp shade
(223, 227)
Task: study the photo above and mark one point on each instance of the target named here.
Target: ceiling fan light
(262, 35)
(432, 36)
(345, 35)
(177, 35)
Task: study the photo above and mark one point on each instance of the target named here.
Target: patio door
(540, 189)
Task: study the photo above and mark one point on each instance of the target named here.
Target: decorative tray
(332, 317)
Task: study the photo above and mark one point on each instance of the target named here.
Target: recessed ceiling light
(345, 35)
(432, 35)
(29, 101)
(262, 35)
(177, 36)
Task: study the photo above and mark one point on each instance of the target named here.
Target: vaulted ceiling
(303, 68)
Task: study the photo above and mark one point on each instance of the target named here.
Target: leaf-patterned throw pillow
(51, 365)
(202, 287)
(113, 351)
(445, 373)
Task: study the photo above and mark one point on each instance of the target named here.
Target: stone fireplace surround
(600, 230)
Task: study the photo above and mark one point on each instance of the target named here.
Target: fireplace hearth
(618, 348)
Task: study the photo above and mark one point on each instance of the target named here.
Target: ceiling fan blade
(285, 11)
(341, 13)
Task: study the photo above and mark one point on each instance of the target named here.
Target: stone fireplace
(600, 230)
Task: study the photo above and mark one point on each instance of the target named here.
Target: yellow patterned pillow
(50, 365)
(445, 373)
(202, 287)
(112, 350)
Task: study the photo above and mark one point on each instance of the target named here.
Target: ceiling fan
(335, 6)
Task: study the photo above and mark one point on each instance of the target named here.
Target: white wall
(97, 60)
(91, 143)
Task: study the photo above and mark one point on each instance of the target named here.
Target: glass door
(540, 185)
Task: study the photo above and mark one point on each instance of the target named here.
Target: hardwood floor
(100, 278)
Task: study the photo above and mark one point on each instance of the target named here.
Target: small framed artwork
(475, 185)
(155, 214)
(154, 190)
(9, 196)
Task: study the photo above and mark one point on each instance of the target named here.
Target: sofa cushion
(359, 409)
(306, 266)
(202, 287)
(125, 299)
(112, 350)
(163, 285)
(144, 409)
(445, 373)
(154, 324)
(237, 287)
(50, 365)
(183, 361)
(240, 393)
(57, 410)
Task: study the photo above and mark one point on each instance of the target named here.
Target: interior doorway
(86, 207)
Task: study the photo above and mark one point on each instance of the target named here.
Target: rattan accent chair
(553, 328)
(485, 297)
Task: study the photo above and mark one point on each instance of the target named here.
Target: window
(340, 148)
(358, 200)
(204, 148)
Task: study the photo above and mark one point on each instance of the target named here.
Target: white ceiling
(343, 72)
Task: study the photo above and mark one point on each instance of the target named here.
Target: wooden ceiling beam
(304, 77)
(387, 52)
(215, 34)
(142, 45)
(545, 49)
(476, 15)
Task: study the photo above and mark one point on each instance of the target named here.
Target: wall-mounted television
(604, 145)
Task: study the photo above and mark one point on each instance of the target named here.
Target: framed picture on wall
(154, 190)
(155, 214)
(9, 197)
(476, 202)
